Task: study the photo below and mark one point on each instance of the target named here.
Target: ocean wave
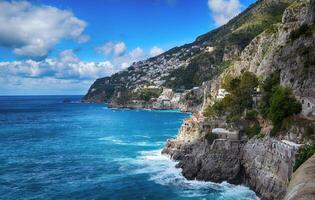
(161, 169)
(118, 141)
(142, 136)
(111, 139)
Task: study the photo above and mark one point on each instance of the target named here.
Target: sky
(56, 47)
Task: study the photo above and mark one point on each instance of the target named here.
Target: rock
(302, 184)
(264, 171)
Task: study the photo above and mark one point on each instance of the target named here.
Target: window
(308, 105)
(302, 101)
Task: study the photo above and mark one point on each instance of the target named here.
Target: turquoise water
(55, 150)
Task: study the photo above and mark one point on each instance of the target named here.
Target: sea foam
(161, 170)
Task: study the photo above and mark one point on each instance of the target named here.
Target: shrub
(282, 105)
(147, 94)
(268, 87)
(209, 111)
(309, 132)
(305, 29)
(276, 128)
(202, 67)
(251, 115)
(215, 110)
(304, 153)
(240, 94)
(234, 119)
(210, 137)
(251, 131)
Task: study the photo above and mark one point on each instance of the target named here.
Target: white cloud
(127, 59)
(224, 10)
(105, 49)
(117, 49)
(33, 30)
(155, 51)
(121, 57)
(67, 66)
(13, 85)
(136, 53)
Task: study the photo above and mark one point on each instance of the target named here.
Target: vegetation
(237, 34)
(145, 94)
(282, 105)
(192, 98)
(98, 88)
(268, 87)
(216, 110)
(201, 68)
(240, 91)
(250, 23)
(277, 103)
(309, 132)
(251, 131)
(239, 98)
(304, 30)
(149, 93)
(124, 97)
(210, 137)
(251, 115)
(304, 153)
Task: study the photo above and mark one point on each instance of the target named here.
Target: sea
(55, 147)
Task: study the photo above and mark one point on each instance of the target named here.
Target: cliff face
(255, 163)
(202, 161)
(284, 47)
(264, 170)
(288, 47)
(302, 185)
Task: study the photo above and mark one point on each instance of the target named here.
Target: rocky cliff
(302, 185)
(254, 163)
(264, 170)
(288, 47)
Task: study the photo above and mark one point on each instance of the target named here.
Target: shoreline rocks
(238, 162)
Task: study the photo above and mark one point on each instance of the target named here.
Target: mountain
(186, 67)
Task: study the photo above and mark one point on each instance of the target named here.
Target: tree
(240, 91)
(305, 153)
(282, 105)
(268, 86)
(215, 110)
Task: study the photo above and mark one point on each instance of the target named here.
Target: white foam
(142, 136)
(124, 142)
(111, 139)
(161, 169)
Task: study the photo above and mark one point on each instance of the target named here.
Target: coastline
(176, 161)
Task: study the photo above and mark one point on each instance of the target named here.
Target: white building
(225, 134)
(209, 49)
(221, 94)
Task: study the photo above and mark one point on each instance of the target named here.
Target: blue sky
(62, 46)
